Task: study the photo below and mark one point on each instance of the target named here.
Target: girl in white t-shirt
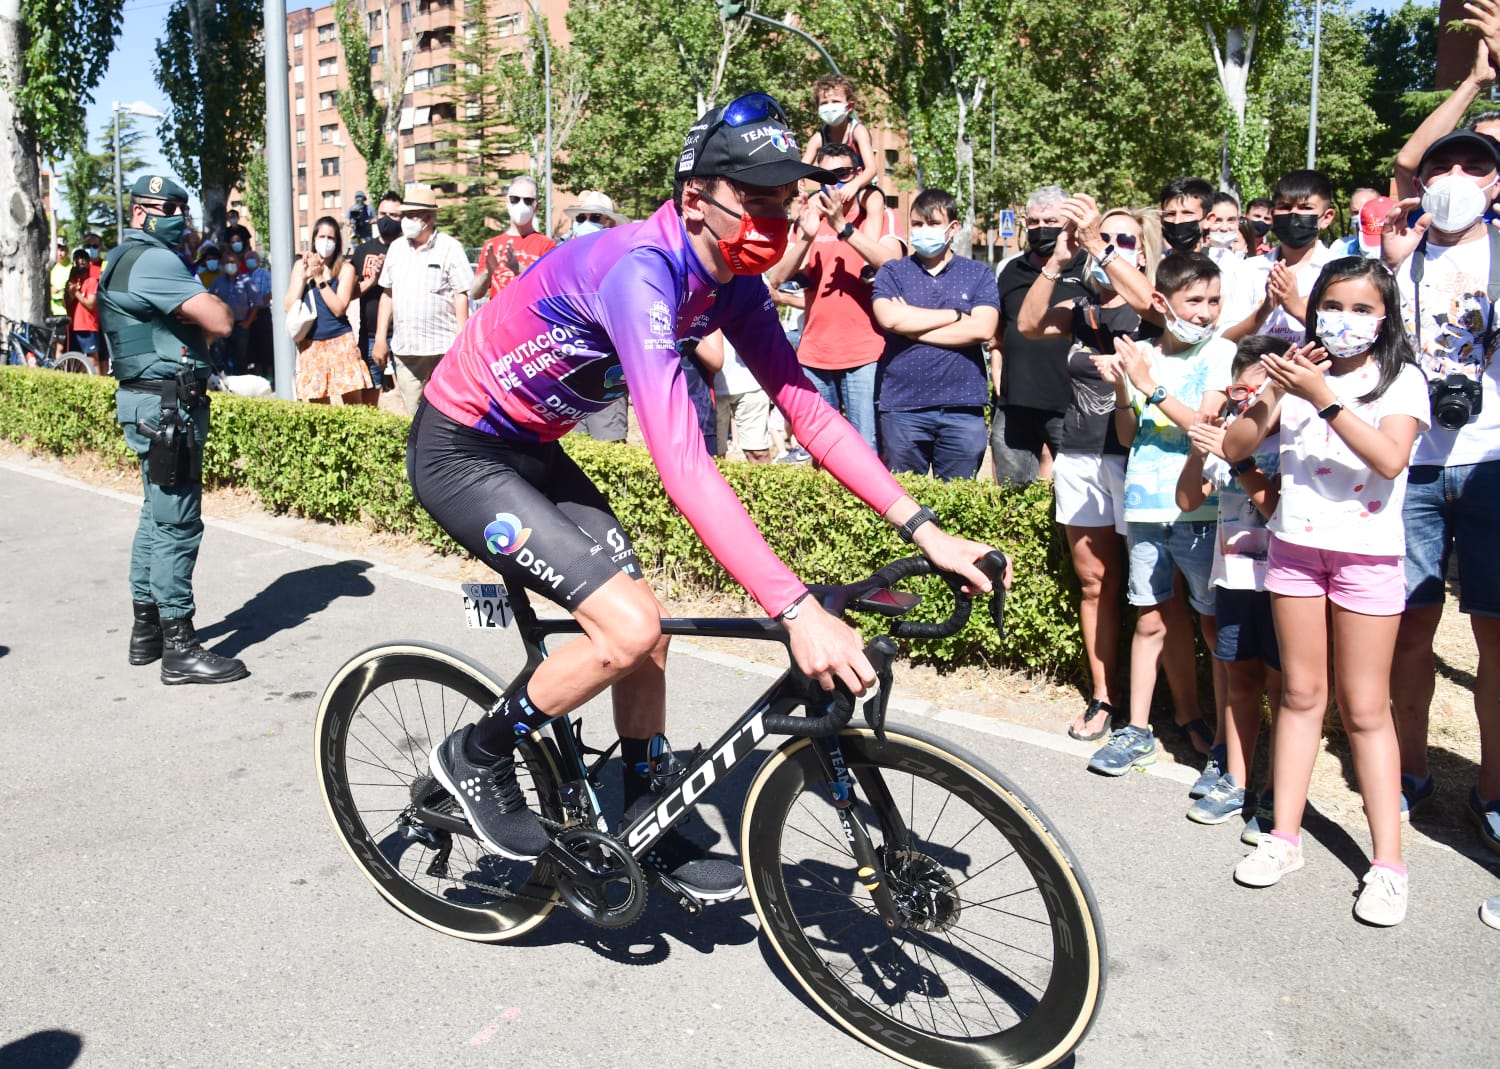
(1336, 550)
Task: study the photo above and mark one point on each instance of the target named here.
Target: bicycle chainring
(924, 891)
(612, 894)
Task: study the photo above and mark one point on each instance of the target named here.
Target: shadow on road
(290, 600)
(52, 1049)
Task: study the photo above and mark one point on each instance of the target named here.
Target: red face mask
(758, 244)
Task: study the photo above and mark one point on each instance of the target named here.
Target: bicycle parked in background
(917, 895)
(29, 345)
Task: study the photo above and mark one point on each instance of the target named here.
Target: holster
(174, 459)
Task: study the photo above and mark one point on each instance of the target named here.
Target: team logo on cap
(154, 185)
(661, 318)
(504, 534)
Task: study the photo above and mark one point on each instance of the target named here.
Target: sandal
(1197, 734)
(1095, 708)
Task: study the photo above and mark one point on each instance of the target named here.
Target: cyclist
(560, 343)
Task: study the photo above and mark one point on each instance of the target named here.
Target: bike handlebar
(992, 564)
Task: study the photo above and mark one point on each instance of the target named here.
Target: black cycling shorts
(525, 510)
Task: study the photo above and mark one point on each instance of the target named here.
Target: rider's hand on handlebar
(951, 553)
(826, 648)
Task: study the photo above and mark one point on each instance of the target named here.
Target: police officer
(157, 321)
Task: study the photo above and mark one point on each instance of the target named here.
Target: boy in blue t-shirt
(1172, 388)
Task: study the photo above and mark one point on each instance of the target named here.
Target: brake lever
(875, 708)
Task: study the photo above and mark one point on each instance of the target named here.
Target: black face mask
(1043, 239)
(1260, 226)
(1183, 237)
(390, 229)
(1295, 230)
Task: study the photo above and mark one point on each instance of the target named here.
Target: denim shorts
(1447, 509)
(1158, 551)
(1246, 631)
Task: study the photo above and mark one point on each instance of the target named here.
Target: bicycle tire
(75, 363)
(378, 719)
(802, 880)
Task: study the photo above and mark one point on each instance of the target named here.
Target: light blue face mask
(929, 241)
(210, 265)
(583, 229)
(1100, 275)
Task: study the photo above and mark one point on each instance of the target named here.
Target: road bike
(32, 346)
(915, 893)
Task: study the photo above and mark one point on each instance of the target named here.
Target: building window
(297, 39)
(325, 133)
(301, 106)
(299, 74)
(406, 12)
(326, 33)
(408, 155)
(302, 202)
(372, 20)
(328, 100)
(374, 55)
(301, 172)
(329, 196)
(892, 158)
(328, 67)
(508, 25)
(301, 137)
(330, 166)
(303, 233)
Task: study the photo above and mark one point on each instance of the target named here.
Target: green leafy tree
(256, 192)
(89, 181)
(478, 137)
(1401, 50)
(52, 55)
(1239, 33)
(82, 182)
(367, 117)
(209, 63)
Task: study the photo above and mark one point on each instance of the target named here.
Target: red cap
(1372, 218)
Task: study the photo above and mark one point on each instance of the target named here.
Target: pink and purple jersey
(598, 312)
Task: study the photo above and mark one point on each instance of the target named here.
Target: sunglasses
(593, 217)
(170, 207)
(1120, 241)
(842, 174)
(752, 107)
(522, 200)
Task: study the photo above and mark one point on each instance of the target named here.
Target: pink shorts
(1369, 585)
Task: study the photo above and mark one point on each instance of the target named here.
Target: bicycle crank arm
(676, 892)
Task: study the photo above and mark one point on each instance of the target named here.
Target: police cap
(158, 187)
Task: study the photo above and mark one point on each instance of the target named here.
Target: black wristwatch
(846, 231)
(908, 530)
(1244, 467)
(1332, 410)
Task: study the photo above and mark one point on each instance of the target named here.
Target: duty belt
(167, 389)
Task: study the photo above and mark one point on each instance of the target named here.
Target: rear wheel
(75, 363)
(378, 720)
(998, 959)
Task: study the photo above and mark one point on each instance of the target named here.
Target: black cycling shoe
(708, 878)
(491, 798)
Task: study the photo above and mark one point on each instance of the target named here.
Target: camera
(1456, 399)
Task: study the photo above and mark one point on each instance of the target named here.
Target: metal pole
(119, 181)
(278, 234)
(1312, 108)
(758, 17)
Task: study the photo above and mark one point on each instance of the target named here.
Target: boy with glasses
(506, 255)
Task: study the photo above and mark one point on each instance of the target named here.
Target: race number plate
(485, 605)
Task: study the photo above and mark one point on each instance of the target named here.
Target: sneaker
(1489, 911)
(1222, 801)
(1261, 821)
(1128, 747)
(491, 798)
(794, 456)
(1382, 899)
(1414, 792)
(1486, 818)
(1273, 859)
(710, 879)
(1213, 771)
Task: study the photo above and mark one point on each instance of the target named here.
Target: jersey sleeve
(754, 330)
(640, 284)
(160, 279)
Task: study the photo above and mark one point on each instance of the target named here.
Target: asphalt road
(173, 893)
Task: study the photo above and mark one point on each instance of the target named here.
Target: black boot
(145, 633)
(184, 660)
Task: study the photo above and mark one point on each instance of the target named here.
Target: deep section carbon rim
(999, 960)
(379, 718)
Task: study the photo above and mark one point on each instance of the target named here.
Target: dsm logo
(504, 534)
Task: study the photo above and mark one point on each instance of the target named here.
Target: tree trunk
(24, 261)
(1234, 79)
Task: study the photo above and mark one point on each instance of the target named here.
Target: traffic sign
(1007, 224)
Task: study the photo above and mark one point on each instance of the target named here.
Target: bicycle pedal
(679, 894)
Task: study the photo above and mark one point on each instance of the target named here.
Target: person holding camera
(157, 320)
(1447, 264)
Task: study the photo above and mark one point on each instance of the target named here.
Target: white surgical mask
(1347, 333)
(1222, 239)
(231, 269)
(832, 113)
(1185, 332)
(1100, 275)
(323, 247)
(929, 241)
(1455, 202)
(521, 214)
(581, 229)
(411, 229)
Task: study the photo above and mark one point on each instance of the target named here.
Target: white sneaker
(1489, 911)
(1382, 899)
(1272, 860)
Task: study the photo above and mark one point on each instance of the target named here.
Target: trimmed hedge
(348, 465)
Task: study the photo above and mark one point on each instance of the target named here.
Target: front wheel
(76, 363)
(998, 956)
(379, 718)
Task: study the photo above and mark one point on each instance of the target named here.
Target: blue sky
(130, 78)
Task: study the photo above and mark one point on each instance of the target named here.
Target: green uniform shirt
(146, 340)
